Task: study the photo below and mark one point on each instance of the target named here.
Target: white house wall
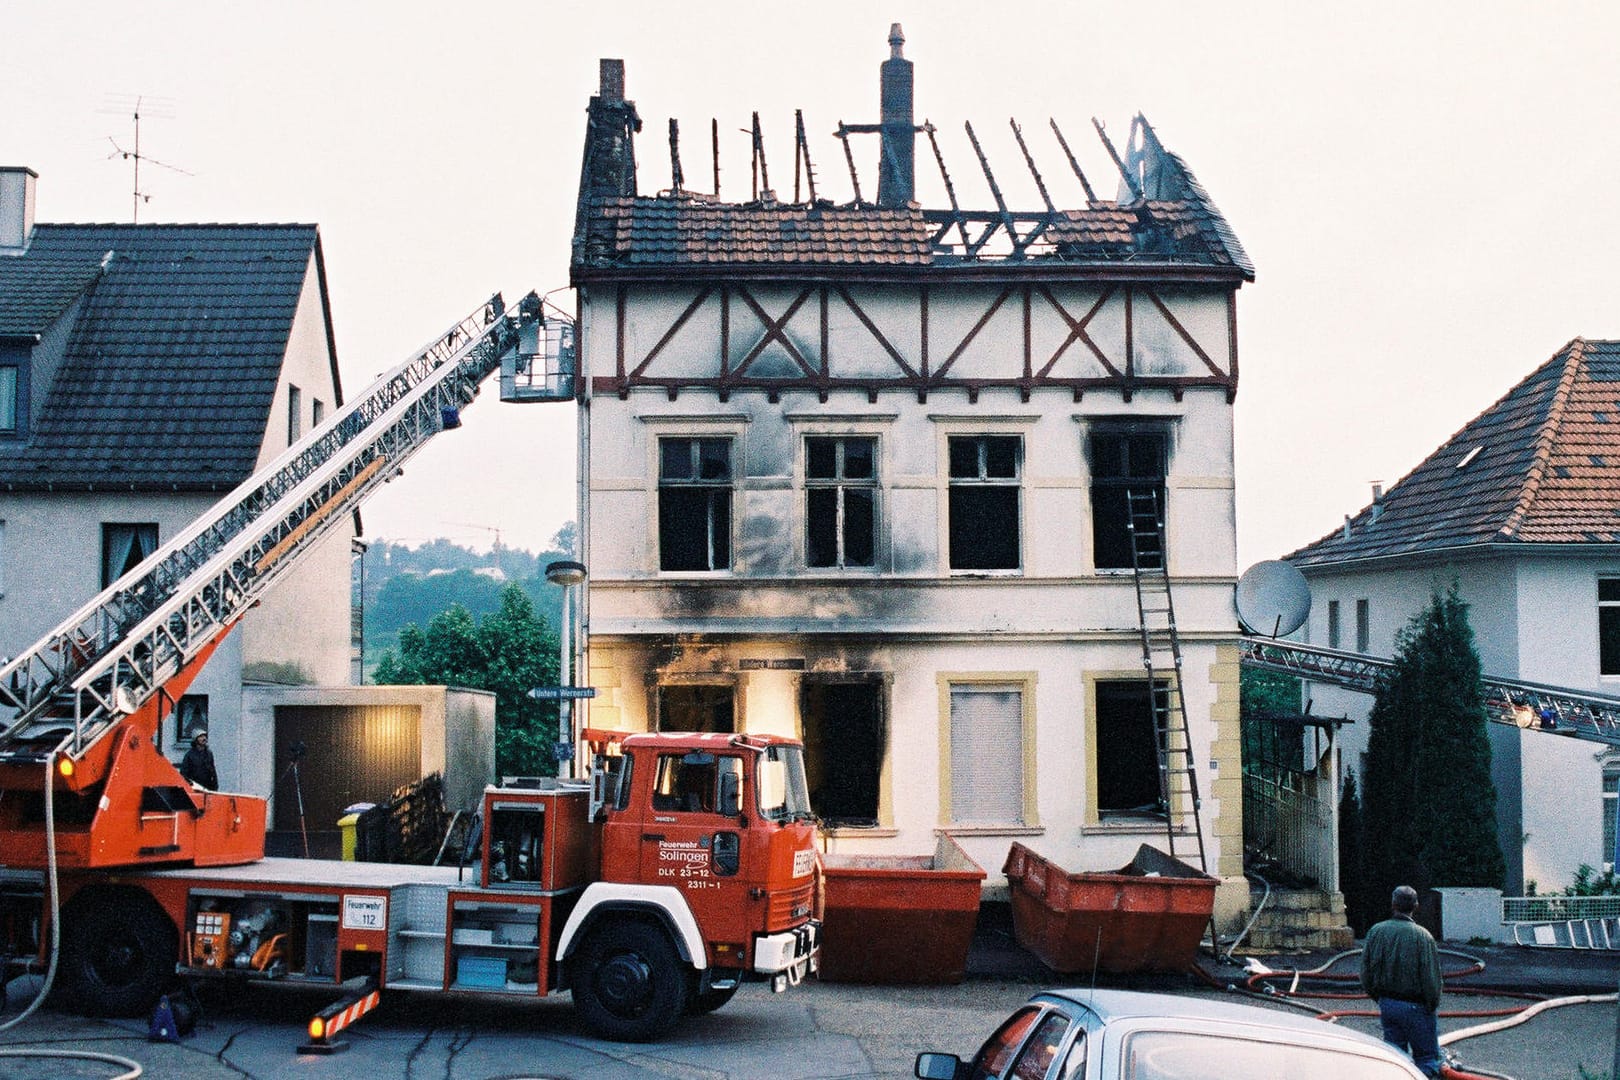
(304, 620)
(53, 567)
(1534, 619)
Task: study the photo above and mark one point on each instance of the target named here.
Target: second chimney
(896, 169)
(16, 208)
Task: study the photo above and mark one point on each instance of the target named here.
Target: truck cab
(707, 842)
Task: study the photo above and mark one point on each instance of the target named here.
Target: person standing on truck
(198, 764)
(1400, 969)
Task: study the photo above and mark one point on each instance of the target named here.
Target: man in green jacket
(1400, 969)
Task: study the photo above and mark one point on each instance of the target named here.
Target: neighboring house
(854, 477)
(1521, 508)
(146, 371)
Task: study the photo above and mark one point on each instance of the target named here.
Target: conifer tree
(1428, 803)
(1352, 837)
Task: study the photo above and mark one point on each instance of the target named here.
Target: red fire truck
(685, 864)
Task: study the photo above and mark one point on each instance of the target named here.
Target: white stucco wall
(304, 620)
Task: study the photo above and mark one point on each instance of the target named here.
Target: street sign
(561, 693)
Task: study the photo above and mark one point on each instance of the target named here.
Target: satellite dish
(1273, 598)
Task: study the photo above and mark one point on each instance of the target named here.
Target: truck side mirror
(730, 793)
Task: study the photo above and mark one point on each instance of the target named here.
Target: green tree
(1428, 803)
(509, 651)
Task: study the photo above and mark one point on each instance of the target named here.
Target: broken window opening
(696, 708)
(694, 504)
(1127, 749)
(984, 493)
(845, 736)
(1123, 462)
(840, 479)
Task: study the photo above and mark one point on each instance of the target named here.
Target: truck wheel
(706, 1001)
(118, 952)
(628, 983)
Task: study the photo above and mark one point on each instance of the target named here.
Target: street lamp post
(568, 574)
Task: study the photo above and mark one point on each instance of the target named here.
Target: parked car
(1108, 1034)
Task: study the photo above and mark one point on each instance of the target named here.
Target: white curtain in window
(987, 755)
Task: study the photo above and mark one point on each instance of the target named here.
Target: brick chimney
(896, 169)
(16, 208)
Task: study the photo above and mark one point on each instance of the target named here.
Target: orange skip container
(1149, 915)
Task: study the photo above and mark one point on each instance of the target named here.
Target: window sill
(854, 832)
(992, 830)
(1130, 827)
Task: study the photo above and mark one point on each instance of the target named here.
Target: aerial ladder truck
(684, 865)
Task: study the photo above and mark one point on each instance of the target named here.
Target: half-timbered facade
(857, 472)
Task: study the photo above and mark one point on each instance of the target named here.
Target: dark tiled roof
(172, 363)
(35, 289)
(1540, 466)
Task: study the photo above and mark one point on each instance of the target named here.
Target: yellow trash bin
(348, 825)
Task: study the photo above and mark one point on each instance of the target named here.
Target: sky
(1428, 191)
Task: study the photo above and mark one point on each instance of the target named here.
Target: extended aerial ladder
(1161, 658)
(1533, 706)
(85, 702)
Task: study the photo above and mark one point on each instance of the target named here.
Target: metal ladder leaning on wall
(118, 651)
(1161, 657)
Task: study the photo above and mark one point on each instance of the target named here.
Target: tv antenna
(135, 107)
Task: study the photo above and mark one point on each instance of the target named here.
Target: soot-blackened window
(694, 504)
(1125, 464)
(845, 739)
(1127, 749)
(840, 515)
(984, 502)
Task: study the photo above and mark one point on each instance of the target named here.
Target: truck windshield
(783, 793)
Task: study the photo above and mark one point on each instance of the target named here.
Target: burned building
(864, 473)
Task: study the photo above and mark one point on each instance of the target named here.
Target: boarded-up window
(987, 754)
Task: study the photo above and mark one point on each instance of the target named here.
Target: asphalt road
(815, 1030)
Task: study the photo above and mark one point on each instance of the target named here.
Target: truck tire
(706, 1001)
(118, 953)
(628, 983)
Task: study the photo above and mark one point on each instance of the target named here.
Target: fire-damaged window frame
(974, 488)
(957, 759)
(715, 493)
(1100, 757)
(1110, 529)
(831, 740)
(834, 490)
(670, 683)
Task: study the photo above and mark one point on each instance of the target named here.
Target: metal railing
(1287, 824)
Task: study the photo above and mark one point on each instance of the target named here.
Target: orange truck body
(650, 892)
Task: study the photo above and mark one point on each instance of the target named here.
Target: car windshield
(1185, 1055)
(783, 793)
